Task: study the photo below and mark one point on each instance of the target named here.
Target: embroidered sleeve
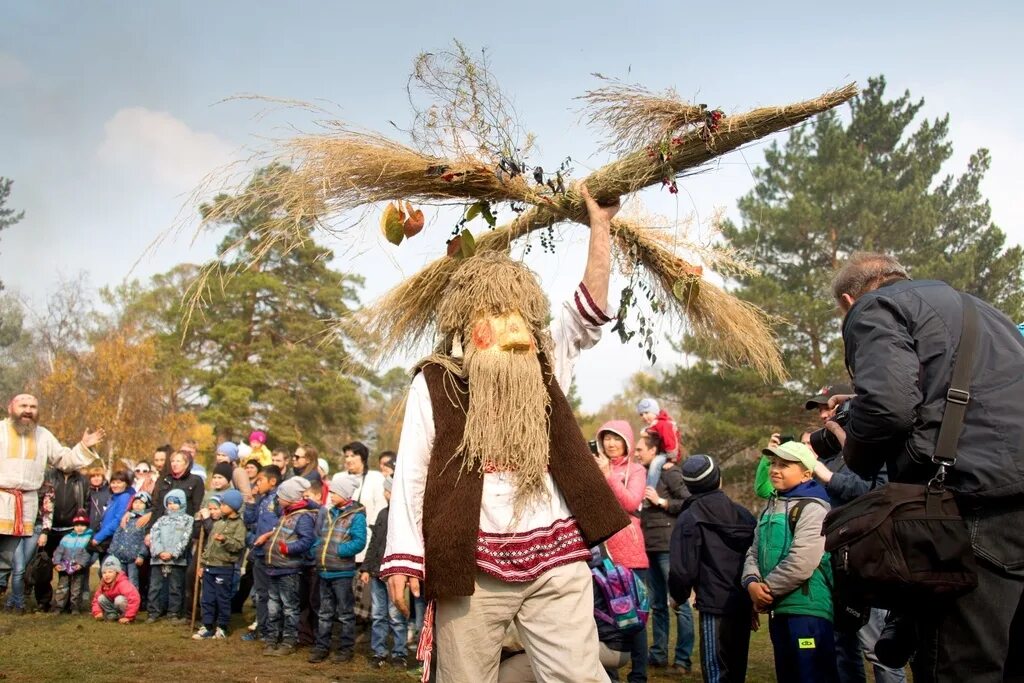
(403, 553)
(576, 326)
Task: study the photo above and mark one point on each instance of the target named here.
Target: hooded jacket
(119, 587)
(665, 427)
(172, 532)
(627, 480)
(709, 543)
(793, 563)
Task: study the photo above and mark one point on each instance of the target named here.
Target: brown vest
(451, 499)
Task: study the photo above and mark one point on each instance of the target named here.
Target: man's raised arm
(599, 253)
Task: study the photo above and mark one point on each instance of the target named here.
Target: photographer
(843, 485)
(901, 339)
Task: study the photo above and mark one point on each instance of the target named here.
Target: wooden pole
(199, 573)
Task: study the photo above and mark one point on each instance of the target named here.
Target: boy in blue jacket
(341, 533)
(709, 543)
(260, 520)
(286, 550)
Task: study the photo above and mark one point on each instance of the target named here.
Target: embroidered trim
(518, 557)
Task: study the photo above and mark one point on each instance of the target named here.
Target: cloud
(164, 147)
(12, 70)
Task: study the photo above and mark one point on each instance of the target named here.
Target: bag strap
(958, 395)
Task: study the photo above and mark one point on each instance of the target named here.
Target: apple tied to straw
(396, 224)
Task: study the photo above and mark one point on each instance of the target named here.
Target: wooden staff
(199, 572)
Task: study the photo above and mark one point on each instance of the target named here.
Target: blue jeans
(337, 603)
(657, 584)
(132, 570)
(173, 577)
(23, 554)
(260, 596)
(654, 469)
(386, 617)
(283, 609)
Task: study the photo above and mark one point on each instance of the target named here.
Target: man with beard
(496, 497)
(26, 450)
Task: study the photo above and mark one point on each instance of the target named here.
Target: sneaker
(342, 656)
(220, 634)
(378, 662)
(316, 655)
(270, 650)
(203, 633)
(254, 625)
(399, 662)
(250, 636)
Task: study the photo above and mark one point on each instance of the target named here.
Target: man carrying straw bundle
(496, 497)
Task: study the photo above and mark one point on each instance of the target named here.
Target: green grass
(41, 647)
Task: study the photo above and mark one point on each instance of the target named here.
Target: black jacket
(657, 522)
(709, 544)
(901, 341)
(378, 541)
(845, 484)
(191, 484)
(70, 490)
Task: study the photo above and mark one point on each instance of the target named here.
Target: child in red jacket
(116, 599)
(658, 423)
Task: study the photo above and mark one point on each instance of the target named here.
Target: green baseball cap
(794, 451)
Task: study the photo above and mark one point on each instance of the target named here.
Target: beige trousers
(554, 615)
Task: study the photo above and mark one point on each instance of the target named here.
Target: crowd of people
(507, 550)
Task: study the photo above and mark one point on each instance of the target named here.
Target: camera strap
(958, 395)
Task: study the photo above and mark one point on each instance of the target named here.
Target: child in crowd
(341, 533)
(286, 548)
(709, 544)
(224, 548)
(169, 540)
(220, 480)
(116, 599)
(658, 423)
(260, 520)
(71, 558)
(787, 571)
(128, 544)
(385, 615)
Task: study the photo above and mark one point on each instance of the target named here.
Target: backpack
(625, 596)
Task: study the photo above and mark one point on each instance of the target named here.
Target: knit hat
(647, 405)
(111, 564)
(232, 498)
(81, 517)
(292, 489)
(215, 499)
(258, 436)
(177, 495)
(229, 449)
(388, 483)
(322, 464)
(794, 451)
(144, 497)
(224, 469)
(701, 474)
(344, 485)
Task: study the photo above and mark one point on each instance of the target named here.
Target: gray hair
(865, 271)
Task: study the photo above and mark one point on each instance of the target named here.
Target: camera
(593, 446)
(824, 442)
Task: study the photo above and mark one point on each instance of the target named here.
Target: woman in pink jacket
(627, 480)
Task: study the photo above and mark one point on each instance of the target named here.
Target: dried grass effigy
(470, 148)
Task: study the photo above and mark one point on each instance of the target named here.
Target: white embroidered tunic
(546, 535)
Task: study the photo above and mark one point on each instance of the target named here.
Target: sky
(113, 113)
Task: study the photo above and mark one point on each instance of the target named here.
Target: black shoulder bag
(903, 545)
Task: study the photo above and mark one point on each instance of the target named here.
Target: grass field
(41, 647)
